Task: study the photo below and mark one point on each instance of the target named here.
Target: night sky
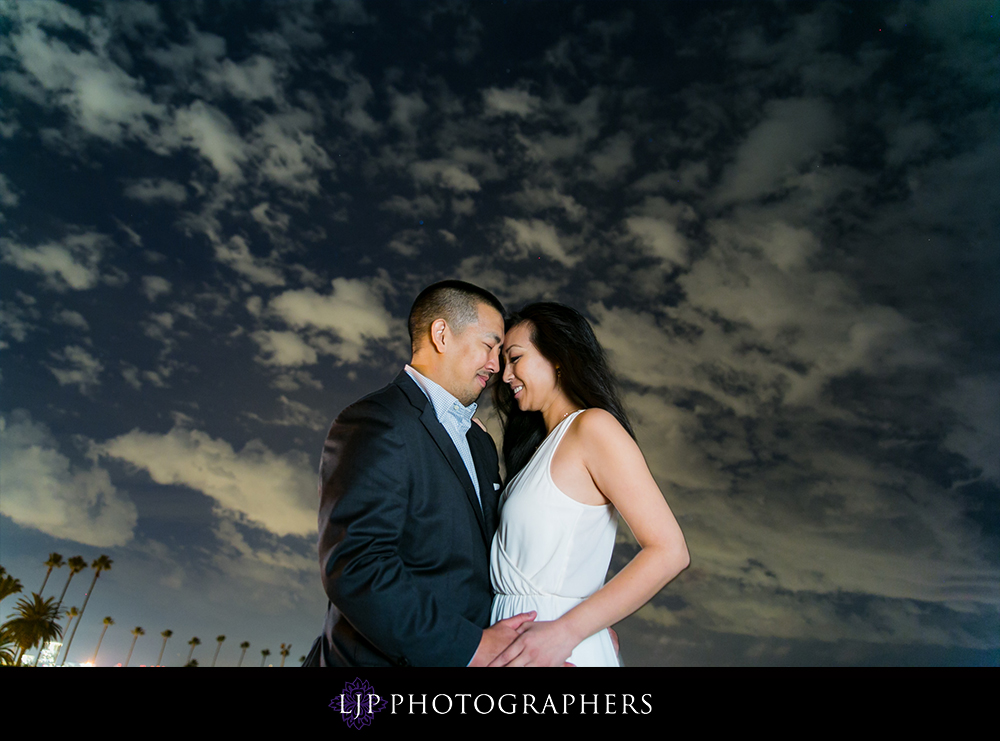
(781, 219)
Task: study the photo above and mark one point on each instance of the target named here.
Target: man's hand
(545, 643)
(498, 636)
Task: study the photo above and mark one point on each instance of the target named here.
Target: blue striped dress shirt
(455, 418)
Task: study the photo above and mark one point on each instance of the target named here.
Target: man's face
(474, 355)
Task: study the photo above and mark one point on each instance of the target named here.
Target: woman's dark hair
(564, 337)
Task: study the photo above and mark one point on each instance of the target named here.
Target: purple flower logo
(358, 703)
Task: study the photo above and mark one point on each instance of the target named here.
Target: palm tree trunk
(159, 659)
(59, 603)
(45, 581)
(99, 641)
(134, 639)
(240, 662)
(80, 617)
(64, 633)
(217, 649)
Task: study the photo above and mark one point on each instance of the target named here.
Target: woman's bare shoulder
(598, 425)
(598, 419)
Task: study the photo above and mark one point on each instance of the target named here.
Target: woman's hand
(545, 643)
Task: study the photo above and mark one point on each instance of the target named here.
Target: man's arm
(365, 489)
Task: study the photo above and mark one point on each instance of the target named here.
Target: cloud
(295, 380)
(273, 564)
(274, 491)
(269, 217)
(534, 200)
(17, 321)
(409, 242)
(253, 79)
(419, 207)
(446, 174)
(512, 101)
(792, 133)
(284, 349)
(8, 197)
(44, 490)
(71, 263)
(407, 110)
(757, 277)
(295, 414)
(131, 375)
(155, 286)
(84, 369)
(209, 131)
(160, 327)
(156, 190)
(676, 451)
(976, 431)
(71, 319)
(288, 154)
(583, 121)
(236, 254)
(201, 52)
(359, 93)
(102, 98)
(535, 235)
(660, 238)
(613, 158)
(354, 312)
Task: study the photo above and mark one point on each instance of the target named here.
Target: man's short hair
(455, 301)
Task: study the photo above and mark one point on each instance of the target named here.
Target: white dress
(551, 552)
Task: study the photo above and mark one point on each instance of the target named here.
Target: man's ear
(439, 332)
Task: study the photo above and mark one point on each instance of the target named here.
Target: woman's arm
(620, 473)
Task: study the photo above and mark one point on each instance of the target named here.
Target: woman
(572, 466)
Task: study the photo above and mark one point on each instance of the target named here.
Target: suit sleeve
(364, 490)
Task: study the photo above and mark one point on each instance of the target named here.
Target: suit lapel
(440, 436)
(487, 493)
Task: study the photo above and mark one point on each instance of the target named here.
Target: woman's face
(529, 374)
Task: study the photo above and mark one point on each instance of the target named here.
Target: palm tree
(264, 654)
(193, 662)
(136, 632)
(220, 639)
(55, 562)
(8, 646)
(245, 645)
(166, 634)
(35, 623)
(108, 622)
(103, 563)
(9, 585)
(76, 565)
(71, 613)
(285, 650)
(192, 643)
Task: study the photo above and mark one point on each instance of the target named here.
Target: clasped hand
(543, 643)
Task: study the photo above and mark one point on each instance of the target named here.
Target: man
(408, 501)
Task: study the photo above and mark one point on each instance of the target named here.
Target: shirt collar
(443, 401)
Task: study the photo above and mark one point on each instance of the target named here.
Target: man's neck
(428, 371)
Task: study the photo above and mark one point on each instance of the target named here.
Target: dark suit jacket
(403, 543)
